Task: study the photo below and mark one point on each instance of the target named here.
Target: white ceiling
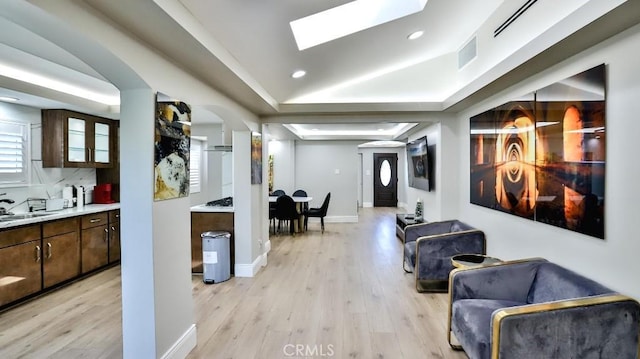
(246, 50)
(260, 38)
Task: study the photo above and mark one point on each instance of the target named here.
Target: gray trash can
(215, 256)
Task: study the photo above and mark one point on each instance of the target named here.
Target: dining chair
(286, 211)
(272, 208)
(301, 193)
(319, 212)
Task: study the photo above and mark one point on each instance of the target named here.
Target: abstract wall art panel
(542, 157)
(256, 158)
(172, 143)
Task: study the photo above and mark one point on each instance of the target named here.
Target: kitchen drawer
(19, 235)
(54, 228)
(95, 220)
(114, 216)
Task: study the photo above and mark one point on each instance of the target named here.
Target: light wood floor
(341, 294)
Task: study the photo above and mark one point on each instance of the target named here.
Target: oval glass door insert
(385, 173)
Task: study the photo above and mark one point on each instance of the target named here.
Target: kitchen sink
(13, 217)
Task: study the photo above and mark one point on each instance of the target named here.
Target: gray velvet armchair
(536, 309)
(428, 248)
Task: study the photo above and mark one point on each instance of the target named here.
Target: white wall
(284, 154)
(251, 213)
(612, 261)
(329, 166)
(440, 203)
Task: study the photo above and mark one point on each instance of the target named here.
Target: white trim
(267, 246)
(263, 260)
(267, 249)
(184, 345)
(367, 204)
(249, 270)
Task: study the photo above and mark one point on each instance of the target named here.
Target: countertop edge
(61, 214)
(211, 209)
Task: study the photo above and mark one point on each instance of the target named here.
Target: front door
(385, 180)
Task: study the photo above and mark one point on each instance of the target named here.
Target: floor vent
(467, 53)
(513, 17)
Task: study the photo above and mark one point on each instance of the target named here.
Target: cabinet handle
(49, 247)
(118, 215)
(94, 220)
(106, 235)
(38, 254)
(90, 160)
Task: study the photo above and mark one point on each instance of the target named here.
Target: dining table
(299, 201)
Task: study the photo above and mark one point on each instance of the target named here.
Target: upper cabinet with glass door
(72, 139)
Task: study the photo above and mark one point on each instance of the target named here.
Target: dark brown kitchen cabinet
(114, 236)
(60, 251)
(20, 263)
(95, 241)
(74, 139)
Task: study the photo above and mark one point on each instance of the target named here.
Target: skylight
(350, 18)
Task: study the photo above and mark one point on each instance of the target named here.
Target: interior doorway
(385, 180)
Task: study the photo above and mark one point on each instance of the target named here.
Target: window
(195, 164)
(14, 153)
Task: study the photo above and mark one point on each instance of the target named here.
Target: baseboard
(184, 345)
(249, 270)
(367, 204)
(336, 219)
(267, 246)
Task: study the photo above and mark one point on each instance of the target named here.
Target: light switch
(367, 172)
(337, 171)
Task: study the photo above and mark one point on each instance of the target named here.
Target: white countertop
(63, 213)
(213, 209)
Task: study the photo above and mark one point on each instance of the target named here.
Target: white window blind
(195, 165)
(14, 153)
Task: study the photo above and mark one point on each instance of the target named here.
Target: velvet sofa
(537, 309)
(428, 248)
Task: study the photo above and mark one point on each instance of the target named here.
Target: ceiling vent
(513, 17)
(468, 52)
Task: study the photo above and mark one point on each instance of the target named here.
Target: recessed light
(298, 74)
(315, 129)
(415, 35)
(8, 99)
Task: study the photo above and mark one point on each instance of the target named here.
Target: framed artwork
(256, 158)
(270, 175)
(542, 156)
(172, 144)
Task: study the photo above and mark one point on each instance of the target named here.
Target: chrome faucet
(5, 200)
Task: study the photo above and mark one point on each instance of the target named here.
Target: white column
(157, 303)
(137, 111)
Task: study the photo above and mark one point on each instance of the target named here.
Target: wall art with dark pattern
(542, 156)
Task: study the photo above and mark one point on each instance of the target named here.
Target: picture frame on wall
(256, 158)
(172, 150)
(542, 156)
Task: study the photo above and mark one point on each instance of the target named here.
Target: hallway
(342, 294)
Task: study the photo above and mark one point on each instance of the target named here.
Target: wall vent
(513, 17)
(467, 53)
